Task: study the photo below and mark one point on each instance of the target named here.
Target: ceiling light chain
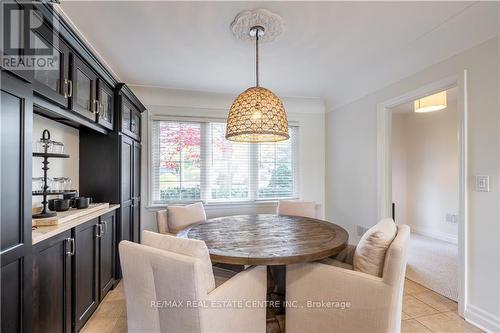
(256, 56)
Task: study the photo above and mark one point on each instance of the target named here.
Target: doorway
(384, 163)
(425, 187)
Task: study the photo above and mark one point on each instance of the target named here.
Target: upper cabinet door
(83, 99)
(130, 119)
(106, 109)
(52, 81)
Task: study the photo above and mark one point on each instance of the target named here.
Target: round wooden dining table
(271, 240)
(267, 239)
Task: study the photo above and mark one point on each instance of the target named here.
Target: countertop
(45, 232)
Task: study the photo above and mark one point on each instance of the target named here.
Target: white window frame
(248, 203)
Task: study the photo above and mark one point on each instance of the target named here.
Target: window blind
(192, 161)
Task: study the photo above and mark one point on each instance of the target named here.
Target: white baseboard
(482, 319)
(437, 235)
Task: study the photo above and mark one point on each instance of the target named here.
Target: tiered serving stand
(45, 192)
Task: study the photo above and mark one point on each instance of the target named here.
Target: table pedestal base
(276, 296)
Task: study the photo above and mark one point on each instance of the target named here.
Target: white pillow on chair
(369, 255)
(180, 217)
(188, 247)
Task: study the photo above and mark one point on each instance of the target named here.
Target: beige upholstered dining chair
(347, 299)
(170, 287)
(298, 208)
(176, 218)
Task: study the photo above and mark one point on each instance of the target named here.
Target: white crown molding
(273, 24)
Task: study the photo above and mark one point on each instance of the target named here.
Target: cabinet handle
(65, 89)
(70, 88)
(71, 242)
(101, 108)
(98, 230)
(96, 106)
(105, 226)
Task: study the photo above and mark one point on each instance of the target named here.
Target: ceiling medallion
(257, 114)
(272, 23)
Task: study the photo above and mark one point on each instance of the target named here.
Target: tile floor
(424, 311)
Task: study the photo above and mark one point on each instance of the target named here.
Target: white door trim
(384, 163)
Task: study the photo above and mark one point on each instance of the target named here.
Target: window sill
(212, 206)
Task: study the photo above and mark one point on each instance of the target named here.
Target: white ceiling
(338, 51)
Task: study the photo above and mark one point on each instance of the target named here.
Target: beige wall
(307, 113)
(425, 170)
(351, 171)
(58, 167)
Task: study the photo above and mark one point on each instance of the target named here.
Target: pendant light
(431, 103)
(257, 114)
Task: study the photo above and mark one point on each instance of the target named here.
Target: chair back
(394, 272)
(297, 208)
(395, 257)
(162, 221)
(156, 282)
(180, 217)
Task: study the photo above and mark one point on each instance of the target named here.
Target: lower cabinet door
(107, 246)
(52, 284)
(85, 271)
(136, 222)
(127, 215)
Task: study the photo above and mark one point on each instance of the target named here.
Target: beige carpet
(434, 264)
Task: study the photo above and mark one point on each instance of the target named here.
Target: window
(192, 161)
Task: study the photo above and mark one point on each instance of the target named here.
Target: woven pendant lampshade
(257, 114)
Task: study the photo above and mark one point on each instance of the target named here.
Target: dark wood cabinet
(130, 119)
(52, 83)
(130, 189)
(72, 272)
(85, 271)
(127, 194)
(107, 254)
(55, 285)
(14, 43)
(136, 190)
(52, 284)
(15, 201)
(106, 110)
(83, 100)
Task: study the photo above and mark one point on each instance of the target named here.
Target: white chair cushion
(188, 247)
(297, 208)
(180, 217)
(370, 253)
